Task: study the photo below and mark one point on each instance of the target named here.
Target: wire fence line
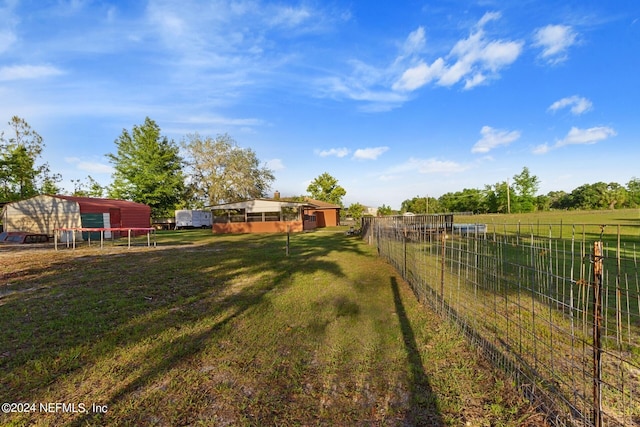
(555, 305)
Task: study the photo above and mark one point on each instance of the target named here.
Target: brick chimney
(276, 195)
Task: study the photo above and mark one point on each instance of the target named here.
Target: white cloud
(8, 24)
(554, 40)
(425, 166)
(7, 39)
(275, 164)
(541, 149)
(25, 72)
(290, 17)
(473, 59)
(338, 152)
(227, 121)
(577, 136)
(369, 153)
(589, 136)
(577, 104)
(90, 166)
(488, 17)
(492, 138)
(420, 75)
(414, 43)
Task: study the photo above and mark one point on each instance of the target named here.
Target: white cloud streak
(427, 166)
(577, 105)
(90, 166)
(492, 138)
(337, 152)
(28, 72)
(369, 153)
(577, 136)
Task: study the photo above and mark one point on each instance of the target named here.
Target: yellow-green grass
(228, 330)
(566, 224)
(523, 294)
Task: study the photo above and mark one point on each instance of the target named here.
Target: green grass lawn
(228, 330)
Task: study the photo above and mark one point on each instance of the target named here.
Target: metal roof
(258, 205)
(94, 202)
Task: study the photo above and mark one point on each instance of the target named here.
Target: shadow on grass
(69, 315)
(424, 406)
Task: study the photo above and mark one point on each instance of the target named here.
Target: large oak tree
(219, 171)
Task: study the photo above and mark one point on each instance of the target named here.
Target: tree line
(148, 168)
(520, 196)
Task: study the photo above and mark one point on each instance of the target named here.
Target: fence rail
(557, 306)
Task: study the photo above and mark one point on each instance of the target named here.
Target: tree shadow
(424, 409)
(59, 309)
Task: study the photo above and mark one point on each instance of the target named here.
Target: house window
(254, 217)
(272, 216)
(289, 214)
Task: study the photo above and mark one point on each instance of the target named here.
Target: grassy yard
(227, 330)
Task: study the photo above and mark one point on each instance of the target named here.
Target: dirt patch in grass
(228, 330)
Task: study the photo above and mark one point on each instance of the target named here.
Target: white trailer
(192, 218)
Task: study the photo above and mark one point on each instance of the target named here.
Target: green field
(620, 216)
(228, 330)
(529, 281)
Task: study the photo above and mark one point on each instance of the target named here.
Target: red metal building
(45, 213)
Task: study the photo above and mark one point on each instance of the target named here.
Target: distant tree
(148, 169)
(526, 186)
(19, 152)
(416, 205)
(325, 188)
(221, 172)
(298, 199)
(49, 182)
(543, 202)
(89, 188)
(497, 197)
(589, 196)
(633, 190)
(385, 210)
(467, 200)
(356, 211)
(558, 200)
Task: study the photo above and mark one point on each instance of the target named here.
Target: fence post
(404, 254)
(288, 240)
(442, 268)
(597, 331)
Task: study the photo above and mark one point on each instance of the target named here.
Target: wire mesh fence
(557, 306)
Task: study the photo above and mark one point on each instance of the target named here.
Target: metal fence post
(597, 331)
(442, 268)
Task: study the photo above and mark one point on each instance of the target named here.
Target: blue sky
(394, 99)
